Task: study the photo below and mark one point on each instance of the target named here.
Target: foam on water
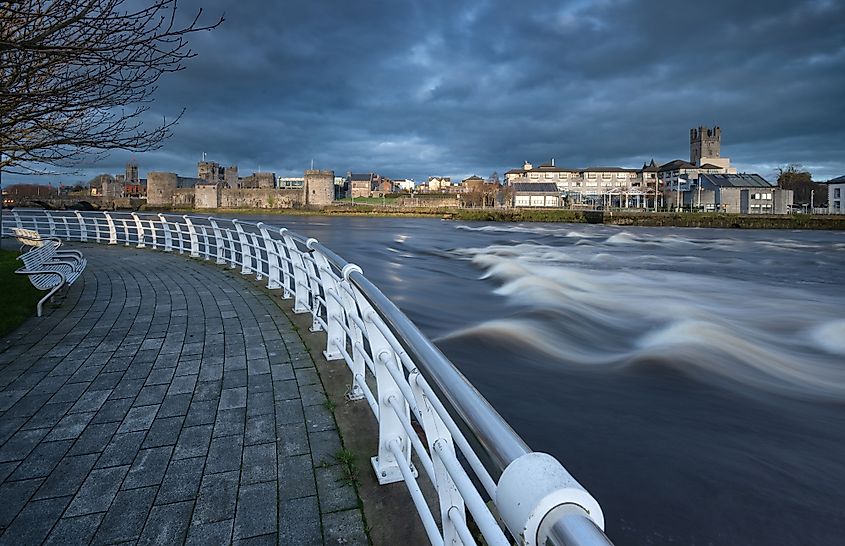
(631, 298)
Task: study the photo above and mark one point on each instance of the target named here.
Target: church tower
(704, 142)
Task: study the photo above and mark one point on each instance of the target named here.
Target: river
(693, 380)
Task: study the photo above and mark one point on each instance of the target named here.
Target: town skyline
(456, 91)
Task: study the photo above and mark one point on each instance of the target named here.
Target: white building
(836, 195)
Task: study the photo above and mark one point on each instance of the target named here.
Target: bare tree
(78, 76)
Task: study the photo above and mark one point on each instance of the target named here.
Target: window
(621, 175)
(535, 176)
(605, 176)
(591, 176)
(836, 192)
(550, 175)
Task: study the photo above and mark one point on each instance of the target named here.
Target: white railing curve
(402, 376)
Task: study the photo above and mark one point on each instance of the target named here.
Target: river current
(693, 380)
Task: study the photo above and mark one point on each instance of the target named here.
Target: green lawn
(17, 295)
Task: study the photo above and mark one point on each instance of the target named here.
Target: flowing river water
(693, 380)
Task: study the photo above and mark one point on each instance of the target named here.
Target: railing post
(192, 236)
(358, 366)
(177, 227)
(139, 228)
(17, 218)
(389, 425)
(246, 253)
(52, 225)
(272, 257)
(218, 242)
(335, 313)
(300, 278)
(168, 238)
(83, 231)
(257, 266)
(205, 246)
(112, 230)
(436, 432)
(314, 286)
(285, 263)
(153, 233)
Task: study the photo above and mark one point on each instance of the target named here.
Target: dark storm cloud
(412, 89)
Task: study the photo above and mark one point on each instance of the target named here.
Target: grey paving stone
(139, 418)
(125, 518)
(256, 510)
(233, 379)
(47, 416)
(97, 491)
(336, 492)
(308, 376)
(259, 463)
(94, 438)
(121, 449)
(299, 521)
(6, 469)
(207, 390)
(164, 432)
(34, 522)
(14, 496)
(78, 530)
(319, 418)
(296, 477)
(260, 429)
(260, 403)
(182, 385)
(232, 398)
(106, 381)
(175, 405)
(193, 442)
(344, 528)
(167, 524)
(201, 413)
(219, 532)
(324, 447)
(161, 376)
(181, 481)
(67, 477)
(217, 498)
(293, 439)
(42, 460)
(150, 394)
(188, 367)
(229, 422)
(21, 444)
(127, 388)
(113, 410)
(312, 395)
(210, 372)
(289, 412)
(224, 454)
(90, 401)
(286, 390)
(70, 427)
(148, 468)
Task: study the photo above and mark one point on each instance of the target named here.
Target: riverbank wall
(648, 219)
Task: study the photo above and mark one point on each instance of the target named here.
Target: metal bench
(31, 239)
(48, 270)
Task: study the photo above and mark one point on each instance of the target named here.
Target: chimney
(553, 162)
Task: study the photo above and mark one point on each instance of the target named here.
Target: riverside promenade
(166, 400)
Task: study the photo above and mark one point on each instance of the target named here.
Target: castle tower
(132, 173)
(318, 187)
(704, 142)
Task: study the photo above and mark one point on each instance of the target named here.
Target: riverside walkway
(167, 401)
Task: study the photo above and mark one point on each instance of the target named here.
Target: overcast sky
(439, 87)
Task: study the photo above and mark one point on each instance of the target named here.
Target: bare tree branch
(77, 76)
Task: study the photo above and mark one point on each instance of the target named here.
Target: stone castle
(217, 187)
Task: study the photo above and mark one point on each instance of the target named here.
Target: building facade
(836, 195)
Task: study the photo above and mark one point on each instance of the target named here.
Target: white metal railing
(396, 369)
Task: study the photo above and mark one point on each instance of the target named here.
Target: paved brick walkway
(166, 401)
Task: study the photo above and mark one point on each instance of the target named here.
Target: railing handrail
(539, 502)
